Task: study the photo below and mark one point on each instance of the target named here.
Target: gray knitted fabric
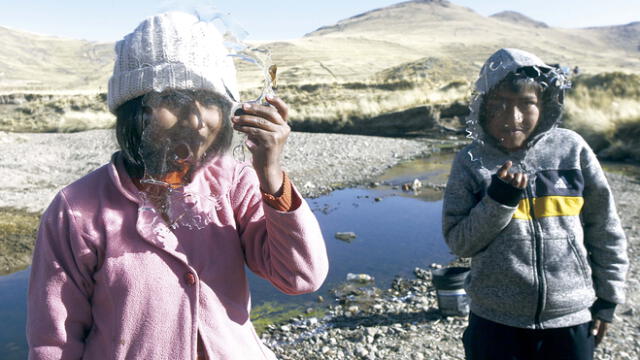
(173, 50)
(501, 63)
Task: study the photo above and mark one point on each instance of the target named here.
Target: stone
(346, 236)
(361, 350)
(361, 278)
(416, 185)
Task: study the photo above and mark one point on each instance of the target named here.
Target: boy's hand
(517, 180)
(267, 131)
(599, 330)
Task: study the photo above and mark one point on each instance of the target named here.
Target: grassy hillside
(443, 29)
(351, 50)
(415, 61)
(38, 62)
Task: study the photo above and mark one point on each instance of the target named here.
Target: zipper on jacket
(538, 253)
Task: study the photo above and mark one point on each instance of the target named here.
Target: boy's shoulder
(466, 153)
(567, 135)
(563, 148)
(560, 142)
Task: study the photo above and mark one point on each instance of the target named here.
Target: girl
(144, 258)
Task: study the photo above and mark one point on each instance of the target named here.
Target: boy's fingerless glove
(603, 310)
(503, 192)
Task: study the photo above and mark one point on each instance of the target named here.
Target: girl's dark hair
(130, 124)
(129, 127)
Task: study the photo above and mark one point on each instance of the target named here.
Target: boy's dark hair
(130, 123)
(528, 78)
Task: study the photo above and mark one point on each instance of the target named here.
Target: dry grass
(17, 237)
(426, 81)
(605, 110)
(336, 103)
(54, 112)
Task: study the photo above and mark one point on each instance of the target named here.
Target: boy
(529, 203)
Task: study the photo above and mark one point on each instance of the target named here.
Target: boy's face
(512, 116)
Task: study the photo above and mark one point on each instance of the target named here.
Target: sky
(109, 20)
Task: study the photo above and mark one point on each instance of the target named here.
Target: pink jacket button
(189, 278)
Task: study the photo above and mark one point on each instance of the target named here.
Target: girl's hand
(267, 131)
(517, 180)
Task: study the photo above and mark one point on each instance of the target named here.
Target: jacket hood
(495, 69)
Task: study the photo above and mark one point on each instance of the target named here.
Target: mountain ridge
(352, 49)
(518, 18)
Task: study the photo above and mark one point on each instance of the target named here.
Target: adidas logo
(560, 184)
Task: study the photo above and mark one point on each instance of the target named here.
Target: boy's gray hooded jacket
(541, 256)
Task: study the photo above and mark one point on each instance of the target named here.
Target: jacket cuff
(285, 199)
(503, 192)
(603, 310)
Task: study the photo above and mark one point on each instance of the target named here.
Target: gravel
(38, 165)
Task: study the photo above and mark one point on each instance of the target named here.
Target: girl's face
(175, 140)
(196, 129)
(512, 116)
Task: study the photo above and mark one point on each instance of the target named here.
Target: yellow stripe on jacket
(546, 206)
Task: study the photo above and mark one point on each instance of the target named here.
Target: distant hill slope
(442, 29)
(625, 37)
(31, 61)
(357, 49)
(519, 19)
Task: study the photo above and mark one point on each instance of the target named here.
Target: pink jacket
(103, 286)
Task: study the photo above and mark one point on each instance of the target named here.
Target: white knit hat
(173, 50)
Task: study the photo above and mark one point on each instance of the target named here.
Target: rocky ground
(36, 165)
(403, 322)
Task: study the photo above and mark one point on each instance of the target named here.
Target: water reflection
(395, 230)
(13, 309)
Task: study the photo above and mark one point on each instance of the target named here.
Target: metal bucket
(449, 283)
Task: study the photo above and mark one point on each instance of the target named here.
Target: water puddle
(13, 310)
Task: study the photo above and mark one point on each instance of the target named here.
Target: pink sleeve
(286, 248)
(60, 286)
